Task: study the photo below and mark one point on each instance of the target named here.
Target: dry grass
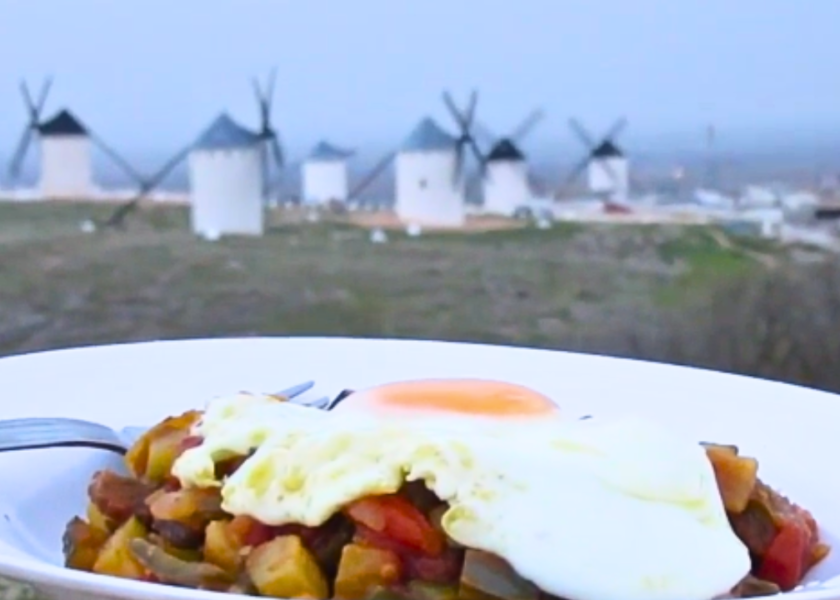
(670, 293)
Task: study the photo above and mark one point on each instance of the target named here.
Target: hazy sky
(149, 74)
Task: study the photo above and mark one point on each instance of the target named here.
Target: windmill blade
(118, 217)
(582, 134)
(269, 91)
(166, 169)
(263, 105)
(537, 183)
(480, 158)
(19, 155)
(484, 132)
(277, 153)
(527, 125)
(33, 109)
(453, 110)
(469, 116)
(255, 83)
(472, 183)
(31, 106)
(264, 172)
(45, 90)
(617, 128)
(372, 176)
(115, 157)
(577, 170)
(459, 164)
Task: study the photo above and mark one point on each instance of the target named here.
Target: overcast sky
(149, 74)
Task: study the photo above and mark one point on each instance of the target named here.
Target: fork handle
(30, 434)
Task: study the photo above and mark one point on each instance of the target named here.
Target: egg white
(587, 510)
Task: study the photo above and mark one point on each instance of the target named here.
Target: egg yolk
(464, 396)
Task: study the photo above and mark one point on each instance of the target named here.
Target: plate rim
(34, 572)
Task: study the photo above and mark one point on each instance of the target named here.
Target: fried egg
(587, 510)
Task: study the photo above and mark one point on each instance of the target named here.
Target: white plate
(791, 430)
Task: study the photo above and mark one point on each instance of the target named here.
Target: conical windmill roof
(325, 152)
(62, 123)
(226, 134)
(505, 150)
(607, 150)
(427, 136)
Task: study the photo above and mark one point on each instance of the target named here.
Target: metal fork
(29, 434)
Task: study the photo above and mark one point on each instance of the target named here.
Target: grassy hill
(571, 286)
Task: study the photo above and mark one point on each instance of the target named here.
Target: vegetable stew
(145, 526)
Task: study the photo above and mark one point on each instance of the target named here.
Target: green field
(574, 286)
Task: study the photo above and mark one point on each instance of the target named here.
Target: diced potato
(361, 569)
(97, 519)
(488, 577)
(736, 477)
(139, 457)
(283, 568)
(163, 450)
(116, 557)
(221, 547)
(731, 448)
(82, 544)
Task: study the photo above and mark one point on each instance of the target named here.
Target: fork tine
(296, 390)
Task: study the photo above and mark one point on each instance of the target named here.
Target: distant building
(324, 176)
(506, 186)
(66, 163)
(609, 172)
(427, 192)
(226, 181)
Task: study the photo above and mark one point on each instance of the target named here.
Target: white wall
(324, 181)
(600, 180)
(66, 167)
(425, 191)
(226, 188)
(506, 187)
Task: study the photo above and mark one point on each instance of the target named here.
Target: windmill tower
(66, 169)
(607, 167)
(324, 174)
(427, 189)
(226, 180)
(271, 150)
(430, 170)
(506, 182)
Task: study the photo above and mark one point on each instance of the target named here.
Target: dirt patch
(388, 220)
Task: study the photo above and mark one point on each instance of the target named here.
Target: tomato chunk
(396, 518)
(788, 557)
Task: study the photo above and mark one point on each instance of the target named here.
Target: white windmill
(66, 145)
(507, 182)
(607, 167)
(226, 180)
(430, 170)
(324, 175)
(209, 150)
(66, 168)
